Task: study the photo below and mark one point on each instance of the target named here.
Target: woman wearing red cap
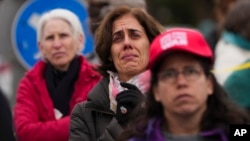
(184, 102)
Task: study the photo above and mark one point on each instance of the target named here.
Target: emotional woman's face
(130, 47)
(58, 44)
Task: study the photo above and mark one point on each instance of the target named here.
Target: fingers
(129, 86)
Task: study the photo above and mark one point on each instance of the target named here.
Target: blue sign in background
(24, 27)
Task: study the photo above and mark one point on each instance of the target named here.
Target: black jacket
(93, 120)
(6, 122)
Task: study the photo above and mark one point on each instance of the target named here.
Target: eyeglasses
(170, 76)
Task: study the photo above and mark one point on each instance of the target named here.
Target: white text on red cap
(174, 39)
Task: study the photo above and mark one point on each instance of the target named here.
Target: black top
(6, 120)
(60, 85)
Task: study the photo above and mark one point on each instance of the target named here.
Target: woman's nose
(57, 42)
(180, 78)
(127, 42)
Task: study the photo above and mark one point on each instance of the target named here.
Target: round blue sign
(24, 27)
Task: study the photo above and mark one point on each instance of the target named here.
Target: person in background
(184, 102)
(233, 54)
(221, 8)
(233, 46)
(48, 92)
(122, 44)
(98, 9)
(6, 79)
(6, 120)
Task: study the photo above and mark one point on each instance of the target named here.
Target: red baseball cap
(179, 39)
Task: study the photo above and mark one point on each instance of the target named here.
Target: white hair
(63, 14)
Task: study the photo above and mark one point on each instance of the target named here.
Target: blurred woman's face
(130, 47)
(183, 87)
(58, 44)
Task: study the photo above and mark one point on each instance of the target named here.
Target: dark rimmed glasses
(170, 76)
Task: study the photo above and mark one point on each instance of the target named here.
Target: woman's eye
(168, 74)
(193, 70)
(190, 71)
(117, 38)
(63, 35)
(49, 38)
(135, 35)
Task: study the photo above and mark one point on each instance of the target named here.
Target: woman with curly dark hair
(122, 44)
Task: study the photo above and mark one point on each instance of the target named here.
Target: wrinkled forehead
(128, 23)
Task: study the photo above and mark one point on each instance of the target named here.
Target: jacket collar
(98, 98)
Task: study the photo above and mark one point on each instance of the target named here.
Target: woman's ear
(40, 47)
(81, 40)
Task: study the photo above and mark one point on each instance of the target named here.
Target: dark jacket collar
(98, 98)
